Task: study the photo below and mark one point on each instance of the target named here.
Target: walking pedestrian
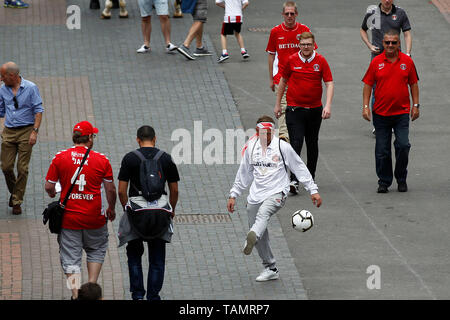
(106, 13)
(283, 42)
(130, 175)
(199, 11)
(232, 23)
(162, 10)
(392, 71)
(84, 222)
(305, 72)
(380, 19)
(265, 166)
(21, 106)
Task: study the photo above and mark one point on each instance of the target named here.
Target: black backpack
(151, 176)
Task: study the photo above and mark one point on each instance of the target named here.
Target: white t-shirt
(233, 10)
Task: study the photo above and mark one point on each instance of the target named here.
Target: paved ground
(95, 74)
(404, 234)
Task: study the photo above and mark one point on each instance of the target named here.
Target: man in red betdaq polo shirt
(304, 73)
(393, 71)
(84, 222)
(283, 42)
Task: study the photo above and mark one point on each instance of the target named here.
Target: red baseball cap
(85, 128)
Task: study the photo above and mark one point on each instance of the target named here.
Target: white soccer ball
(302, 220)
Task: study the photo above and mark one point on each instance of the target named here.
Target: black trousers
(304, 124)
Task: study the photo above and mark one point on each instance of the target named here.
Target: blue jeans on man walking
(156, 261)
(383, 158)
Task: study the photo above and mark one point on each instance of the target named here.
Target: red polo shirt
(282, 43)
(304, 78)
(391, 80)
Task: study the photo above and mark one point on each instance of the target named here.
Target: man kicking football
(265, 165)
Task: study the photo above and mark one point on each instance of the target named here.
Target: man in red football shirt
(84, 222)
(305, 71)
(393, 71)
(283, 42)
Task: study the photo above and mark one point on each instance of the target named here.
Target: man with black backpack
(147, 211)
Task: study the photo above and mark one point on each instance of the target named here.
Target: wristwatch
(416, 105)
(365, 106)
(36, 130)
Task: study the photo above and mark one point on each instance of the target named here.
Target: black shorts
(231, 28)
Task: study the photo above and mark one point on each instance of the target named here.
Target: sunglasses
(16, 104)
(391, 42)
(289, 14)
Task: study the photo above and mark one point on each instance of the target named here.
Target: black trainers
(402, 187)
(382, 189)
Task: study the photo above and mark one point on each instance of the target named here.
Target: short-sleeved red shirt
(304, 79)
(84, 207)
(391, 81)
(283, 42)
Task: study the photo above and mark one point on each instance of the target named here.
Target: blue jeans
(156, 261)
(383, 159)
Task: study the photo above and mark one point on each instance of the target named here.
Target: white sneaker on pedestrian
(267, 275)
(143, 49)
(171, 47)
(249, 242)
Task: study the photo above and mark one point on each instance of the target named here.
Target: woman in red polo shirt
(304, 72)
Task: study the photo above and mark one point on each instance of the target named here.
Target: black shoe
(382, 189)
(402, 187)
(95, 4)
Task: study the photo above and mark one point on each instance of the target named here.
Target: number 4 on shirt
(81, 182)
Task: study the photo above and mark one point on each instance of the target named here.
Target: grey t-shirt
(380, 22)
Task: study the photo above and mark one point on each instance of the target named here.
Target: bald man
(21, 106)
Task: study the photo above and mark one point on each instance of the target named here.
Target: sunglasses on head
(16, 104)
(391, 42)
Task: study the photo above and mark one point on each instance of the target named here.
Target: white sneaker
(250, 242)
(171, 47)
(267, 275)
(143, 49)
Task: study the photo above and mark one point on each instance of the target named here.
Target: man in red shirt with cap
(84, 223)
(393, 71)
